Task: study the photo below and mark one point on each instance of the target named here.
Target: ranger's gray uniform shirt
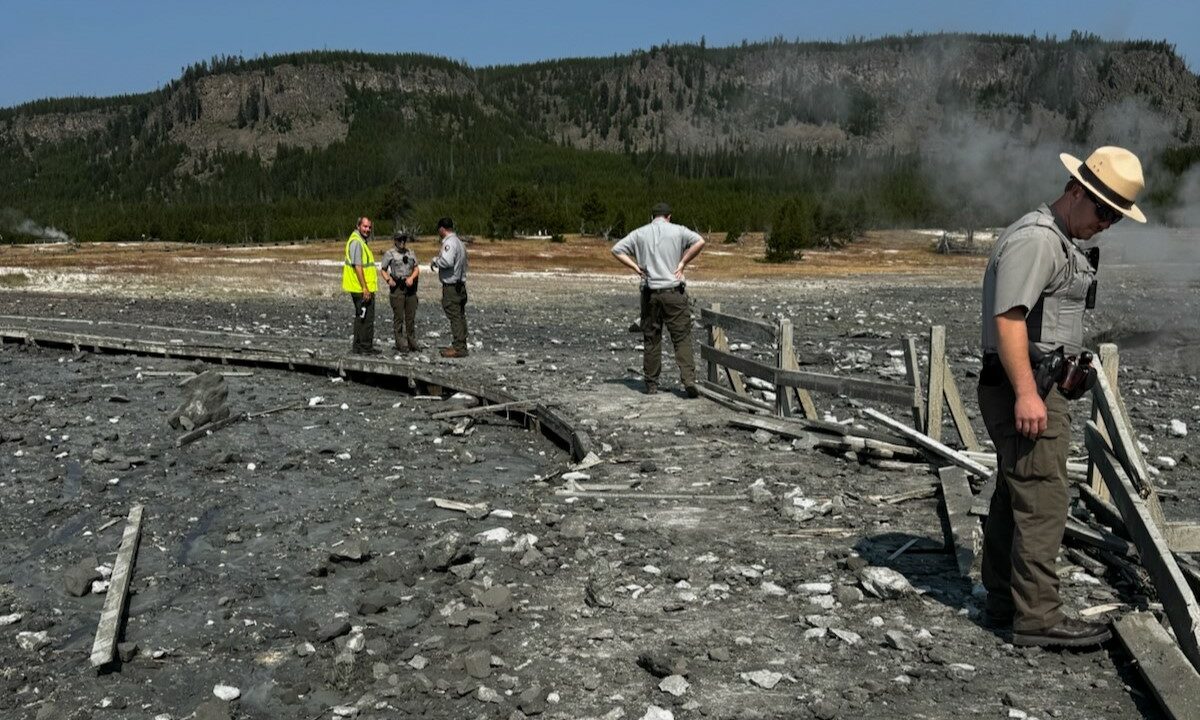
(399, 266)
(451, 263)
(657, 249)
(1035, 266)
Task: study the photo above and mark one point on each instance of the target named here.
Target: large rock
(204, 401)
(77, 579)
(442, 552)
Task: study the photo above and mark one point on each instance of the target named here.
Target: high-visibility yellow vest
(349, 277)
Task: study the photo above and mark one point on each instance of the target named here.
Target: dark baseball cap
(660, 209)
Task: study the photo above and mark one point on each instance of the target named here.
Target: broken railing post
(1110, 362)
(785, 348)
(912, 368)
(936, 381)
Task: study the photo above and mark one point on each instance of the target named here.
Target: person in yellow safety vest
(360, 280)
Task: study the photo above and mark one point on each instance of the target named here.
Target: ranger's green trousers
(667, 307)
(1028, 514)
(454, 303)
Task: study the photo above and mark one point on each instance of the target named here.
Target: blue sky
(52, 48)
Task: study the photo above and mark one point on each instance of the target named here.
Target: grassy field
(879, 253)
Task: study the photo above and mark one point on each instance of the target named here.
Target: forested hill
(294, 146)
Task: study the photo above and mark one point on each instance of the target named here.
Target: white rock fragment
(674, 685)
(651, 570)
(654, 712)
(847, 636)
(1178, 428)
(10, 619)
(885, 583)
(495, 536)
(418, 662)
(816, 633)
(814, 588)
(227, 693)
(487, 695)
(771, 589)
(345, 711)
(766, 679)
(1165, 462)
(33, 641)
(99, 587)
(315, 400)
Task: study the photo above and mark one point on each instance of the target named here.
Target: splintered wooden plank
(1110, 361)
(115, 602)
(1124, 444)
(1175, 683)
(740, 327)
(936, 381)
(961, 529)
(912, 368)
(958, 413)
(788, 362)
(786, 350)
(730, 399)
(483, 410)
(1179, 603)
(928, 443)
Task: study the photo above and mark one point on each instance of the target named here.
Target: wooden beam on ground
(928, 443)
(754, 330)
(730, 399)
(1098, 538)
(1109, 362)
(960, 529)
(912, 368)
(958, 413)
(796, 430)
(1173, 681)
(1124, 443)
(483, 410)
(1179, 603)
(208, 428)
(936, 381)
(1104, 511)
(111, 616)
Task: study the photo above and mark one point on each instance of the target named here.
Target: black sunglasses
(1104, 211)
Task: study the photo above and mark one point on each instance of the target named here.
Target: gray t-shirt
(451, 262)
(400, 265)
(356, 249)
(1035, 266)
(657, 249)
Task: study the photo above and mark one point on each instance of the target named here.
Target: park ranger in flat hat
(1037, 284)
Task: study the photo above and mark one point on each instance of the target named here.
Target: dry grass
(313, 265)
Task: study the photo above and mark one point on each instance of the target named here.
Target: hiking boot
(451, 352)
(651, 388)
(414, 346)
(1069, 633)
(367, 351)
(996, 619)
(692, 391)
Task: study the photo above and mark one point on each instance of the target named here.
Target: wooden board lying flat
(109, 631)
(1174, 682)
(483, 410)
(928, 443)
(730, 399)
(1179, 603)
(962, 530)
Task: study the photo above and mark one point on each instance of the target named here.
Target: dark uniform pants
(1028, 514)
(667, 307)
(364, 322)
(404, 310)
(454, 303)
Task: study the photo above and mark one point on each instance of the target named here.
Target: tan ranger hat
(1114, 175)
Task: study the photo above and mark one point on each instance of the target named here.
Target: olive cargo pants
(667, 307)
(404, 310)
(1028, 513)
(454, 303)
(364, 323)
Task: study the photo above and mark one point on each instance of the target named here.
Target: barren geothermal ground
(298, 558)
